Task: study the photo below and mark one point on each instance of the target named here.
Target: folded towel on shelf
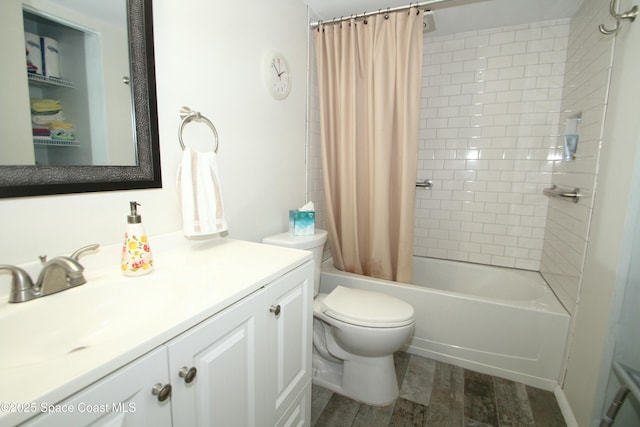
(200, 194)
(60, 125)
(39, 105)
(45, 119)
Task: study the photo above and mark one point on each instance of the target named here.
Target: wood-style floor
(437, 394)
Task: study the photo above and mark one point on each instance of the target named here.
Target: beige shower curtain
(369, 79)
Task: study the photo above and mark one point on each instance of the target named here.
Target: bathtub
(498, 321)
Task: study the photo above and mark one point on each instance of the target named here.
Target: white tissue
(307, 208)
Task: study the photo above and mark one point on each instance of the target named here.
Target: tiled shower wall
(489, 132)
(588, 66)
(315, 186)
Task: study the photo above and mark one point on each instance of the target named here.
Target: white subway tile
(496, 208)
(453, 45)
(476, 41)
(508, 73)
(502, 38)
(450, 90)
(464, 54)
(513, 48)
(488, 51)
(492, 249)
(500, 62)
(452, 67)
(506, 241)
(488, 218)
(528, 34)
(464, 77)
(473, 88)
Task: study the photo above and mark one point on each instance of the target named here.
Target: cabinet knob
(275, 309)
(188, 374)
(162, 391)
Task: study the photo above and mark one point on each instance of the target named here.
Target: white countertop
(191, 281)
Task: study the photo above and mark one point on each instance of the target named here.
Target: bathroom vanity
(218, 334)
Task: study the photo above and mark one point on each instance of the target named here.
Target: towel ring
(187, 116)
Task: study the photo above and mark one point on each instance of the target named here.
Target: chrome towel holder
(630, 15)
(187, 115)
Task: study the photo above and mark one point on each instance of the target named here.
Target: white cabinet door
(289, 326)
(124, 398)
(227, 352)
(298, 414)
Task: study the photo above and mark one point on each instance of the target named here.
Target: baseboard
(565, 408)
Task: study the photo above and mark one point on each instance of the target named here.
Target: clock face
(278, 75)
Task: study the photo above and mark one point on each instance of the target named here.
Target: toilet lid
(366, 308)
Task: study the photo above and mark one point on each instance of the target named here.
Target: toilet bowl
(355, 333)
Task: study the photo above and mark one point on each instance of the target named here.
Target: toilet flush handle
(275, 309)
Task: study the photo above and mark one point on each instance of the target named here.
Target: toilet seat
(366, 308)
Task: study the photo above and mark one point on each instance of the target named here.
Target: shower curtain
(369, 79)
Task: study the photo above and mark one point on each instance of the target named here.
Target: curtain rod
(419, 5)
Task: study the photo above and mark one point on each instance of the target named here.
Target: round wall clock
(277, 75)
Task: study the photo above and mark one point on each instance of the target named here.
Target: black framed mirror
(34, 180)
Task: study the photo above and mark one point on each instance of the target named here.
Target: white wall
(209, 57)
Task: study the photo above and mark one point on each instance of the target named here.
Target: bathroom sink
(101, 312)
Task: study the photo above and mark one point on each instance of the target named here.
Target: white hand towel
(200, 194)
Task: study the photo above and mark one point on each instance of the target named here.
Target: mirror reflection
(103, 132)
(67, 84)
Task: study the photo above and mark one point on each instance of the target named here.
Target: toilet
(355, 332)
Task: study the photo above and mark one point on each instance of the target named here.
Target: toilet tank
(314, 243)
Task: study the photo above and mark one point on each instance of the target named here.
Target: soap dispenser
(136, 252)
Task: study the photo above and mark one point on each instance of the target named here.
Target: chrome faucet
(58, 274)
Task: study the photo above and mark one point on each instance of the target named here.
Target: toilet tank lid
(298, 242)
(367, 308)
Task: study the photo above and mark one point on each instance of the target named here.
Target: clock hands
(276, 68)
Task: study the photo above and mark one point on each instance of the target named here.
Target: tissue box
(302, 223)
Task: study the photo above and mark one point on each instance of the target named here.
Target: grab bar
(425, 183)
(556, 191)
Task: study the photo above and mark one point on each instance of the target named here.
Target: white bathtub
(498, 321)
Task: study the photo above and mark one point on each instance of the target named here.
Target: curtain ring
(365, 18)
(386, 15)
